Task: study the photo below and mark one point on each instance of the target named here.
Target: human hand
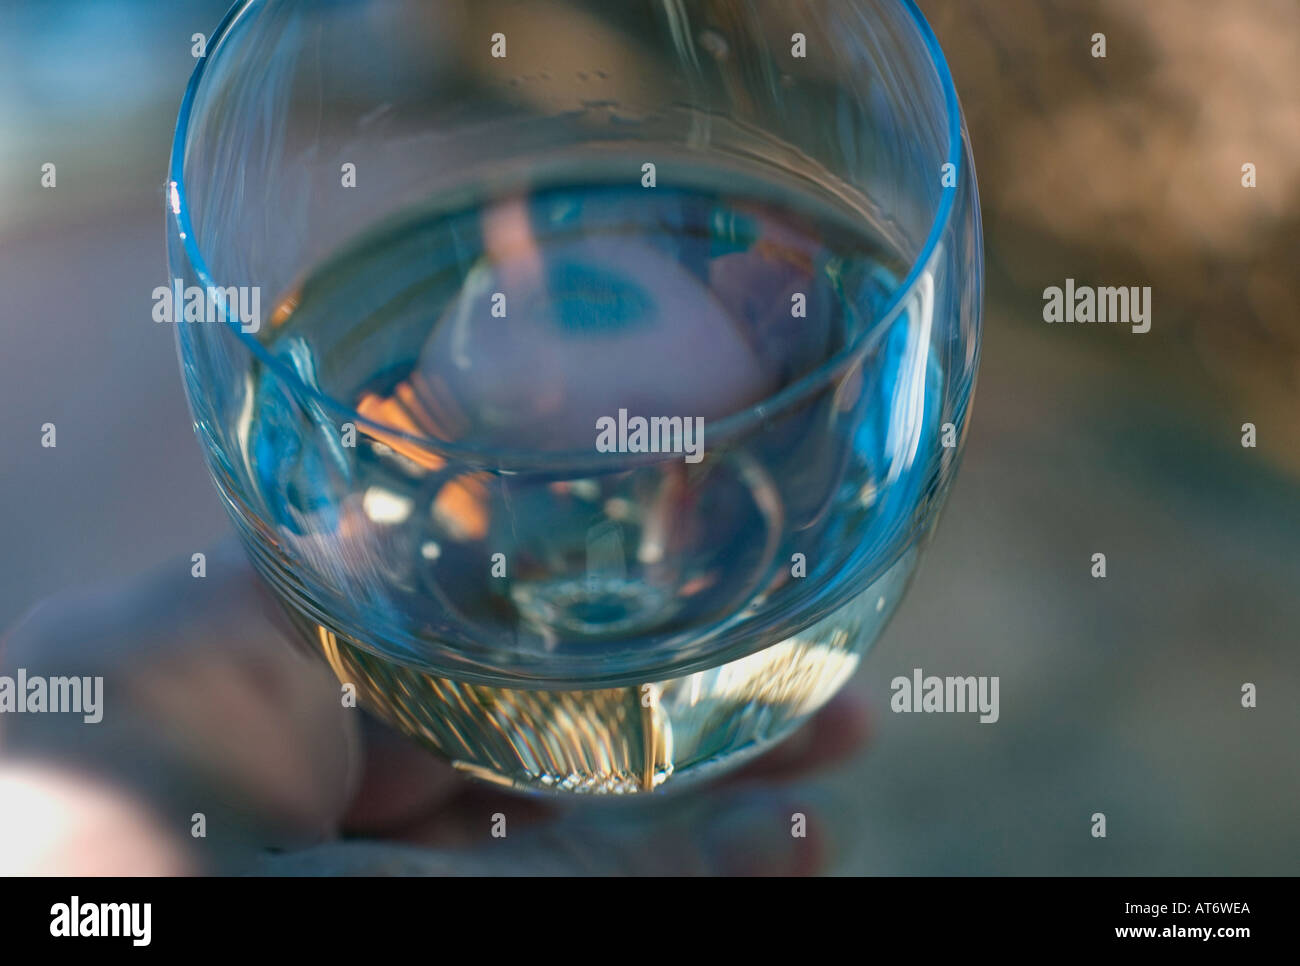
(209, 708)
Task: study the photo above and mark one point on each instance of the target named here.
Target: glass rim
(731, 425)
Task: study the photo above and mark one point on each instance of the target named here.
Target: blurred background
(1119, 695)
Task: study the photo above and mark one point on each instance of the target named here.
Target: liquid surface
(519, 326)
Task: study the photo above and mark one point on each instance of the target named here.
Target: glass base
(623, 740)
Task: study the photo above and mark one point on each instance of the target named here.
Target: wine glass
(586, 378)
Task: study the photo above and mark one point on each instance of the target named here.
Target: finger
(402, 783)
(58, 823)
(208, 708)
(465, 818)
(729, 833)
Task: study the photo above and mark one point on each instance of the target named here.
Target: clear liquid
(470, 599)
